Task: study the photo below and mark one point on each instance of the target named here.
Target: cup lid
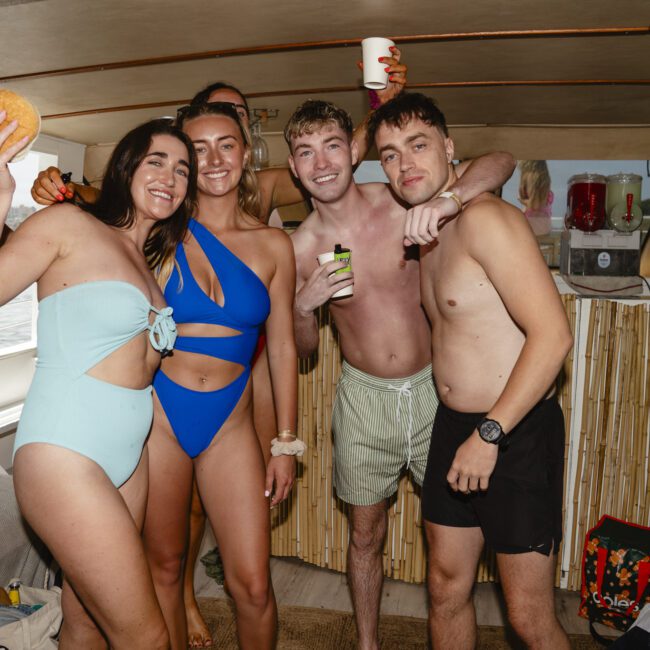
(587, 178)
(623, 177)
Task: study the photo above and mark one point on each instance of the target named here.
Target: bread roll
(29, 121)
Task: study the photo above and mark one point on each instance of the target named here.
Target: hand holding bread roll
(13, 107)
(10, 145)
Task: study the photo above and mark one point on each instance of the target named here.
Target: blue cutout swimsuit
(197, 416)
(78, 327)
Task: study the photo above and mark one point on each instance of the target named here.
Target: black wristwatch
(490, 431)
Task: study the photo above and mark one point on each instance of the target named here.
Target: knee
(366, 539)
(447, 594)
(251, 590)
(166, 566)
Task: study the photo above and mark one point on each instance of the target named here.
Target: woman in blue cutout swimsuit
(79, 469)
(229, 276)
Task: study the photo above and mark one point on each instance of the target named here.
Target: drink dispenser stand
(588, 248)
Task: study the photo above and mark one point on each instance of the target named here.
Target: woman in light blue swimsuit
(79, 469)
(230, 275)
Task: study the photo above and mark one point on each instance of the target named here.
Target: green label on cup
(344, 256)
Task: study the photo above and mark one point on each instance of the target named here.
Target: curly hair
(312, 115)
(404, 108)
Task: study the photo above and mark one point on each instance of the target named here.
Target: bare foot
(198, 635)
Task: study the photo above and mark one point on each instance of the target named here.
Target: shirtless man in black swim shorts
(499, 338)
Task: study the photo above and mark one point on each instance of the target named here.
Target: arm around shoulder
(484, 174)
(277, 188)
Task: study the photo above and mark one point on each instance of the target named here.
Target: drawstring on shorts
(405, 390)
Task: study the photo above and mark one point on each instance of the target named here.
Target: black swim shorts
(521, 511)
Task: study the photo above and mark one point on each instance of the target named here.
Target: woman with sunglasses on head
(80, 466)
(230, 275)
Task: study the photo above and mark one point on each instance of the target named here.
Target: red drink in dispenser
(586, 202)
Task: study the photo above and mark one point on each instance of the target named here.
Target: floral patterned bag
(615, 573)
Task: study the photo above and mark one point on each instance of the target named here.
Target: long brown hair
(115, 205)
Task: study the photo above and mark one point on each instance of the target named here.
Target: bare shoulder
(56, 221)
(308, 232)
(268, 243)
(277, 239)
(487, 210)
(492, 222)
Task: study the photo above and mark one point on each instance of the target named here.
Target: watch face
(490, 430)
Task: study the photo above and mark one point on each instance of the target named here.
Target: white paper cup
(375, 76)
(324, 258)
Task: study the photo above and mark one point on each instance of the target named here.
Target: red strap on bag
(642, 581)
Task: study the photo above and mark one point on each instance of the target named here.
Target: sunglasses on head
(240, 109)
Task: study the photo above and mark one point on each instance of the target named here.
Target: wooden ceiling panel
(42, 36)
(61, 33)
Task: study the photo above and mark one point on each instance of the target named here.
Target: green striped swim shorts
(379, 427)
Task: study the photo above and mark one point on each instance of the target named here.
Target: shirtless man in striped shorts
(385, 402)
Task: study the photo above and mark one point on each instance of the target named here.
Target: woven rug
(304, 628)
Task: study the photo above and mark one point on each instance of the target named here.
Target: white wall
(71, 154)
(560, 172)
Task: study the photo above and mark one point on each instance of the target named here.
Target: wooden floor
(298, 583)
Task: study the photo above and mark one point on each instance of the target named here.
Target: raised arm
(283, 362)
(34, 246)
(396, 82)
(484, 174)
(278, 187)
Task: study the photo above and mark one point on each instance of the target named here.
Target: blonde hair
(534, 184)
(164, 270)
(248, 193)
(312, 116)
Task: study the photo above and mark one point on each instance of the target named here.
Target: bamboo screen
(606, 455)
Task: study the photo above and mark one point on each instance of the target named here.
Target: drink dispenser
(623, 202)
(586, 202)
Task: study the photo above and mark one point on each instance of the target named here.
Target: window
(18, 317)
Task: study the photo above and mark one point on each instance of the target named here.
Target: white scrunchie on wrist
(284, 448)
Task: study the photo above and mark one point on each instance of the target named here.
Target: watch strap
(454, 197)
(498, 440)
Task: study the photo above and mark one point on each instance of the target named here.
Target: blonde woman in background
(536, 196)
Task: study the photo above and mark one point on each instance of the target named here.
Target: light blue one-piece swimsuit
(77, 328)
